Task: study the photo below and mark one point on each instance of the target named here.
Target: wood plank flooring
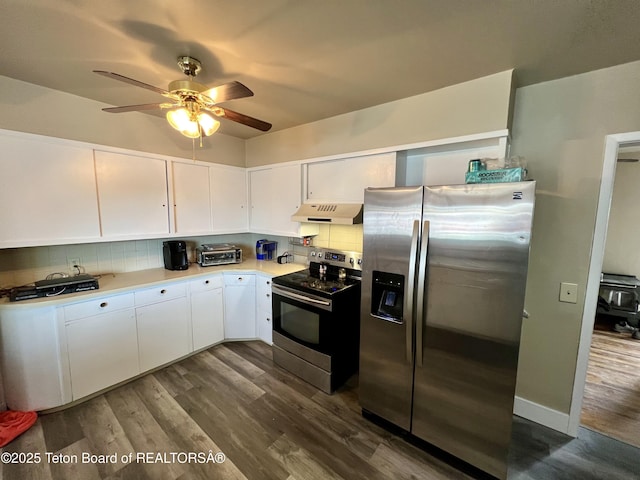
(611, 402)
(269, 425)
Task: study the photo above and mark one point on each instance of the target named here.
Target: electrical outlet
(72, 262)
(569, 292)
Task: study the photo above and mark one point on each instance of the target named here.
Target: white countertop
(121, 282)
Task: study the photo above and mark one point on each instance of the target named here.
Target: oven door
(303, 318)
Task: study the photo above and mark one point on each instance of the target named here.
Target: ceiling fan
(192, 102)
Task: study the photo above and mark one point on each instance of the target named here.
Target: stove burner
(311, 282)
(322, 284)
(329, 276)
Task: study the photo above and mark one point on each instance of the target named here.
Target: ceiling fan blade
(138, 108)
(131, 81)
(241, 118)
(228, 91)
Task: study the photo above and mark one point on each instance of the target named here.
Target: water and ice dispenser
(387, 296)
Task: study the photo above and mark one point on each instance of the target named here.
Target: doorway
(613, 145)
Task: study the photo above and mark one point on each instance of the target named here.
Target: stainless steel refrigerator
(443, 287)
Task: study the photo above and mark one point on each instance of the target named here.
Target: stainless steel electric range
(316, 319)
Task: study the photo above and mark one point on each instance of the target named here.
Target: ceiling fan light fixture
(191, 100)
(180, 119)
(208, 124)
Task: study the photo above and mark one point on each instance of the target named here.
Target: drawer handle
(239, 279)
(206, 282)
(163, 291)
(268, 294)
(268, 282)
(268, 319)
(104, 304)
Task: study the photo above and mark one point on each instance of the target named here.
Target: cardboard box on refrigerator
(501, 175)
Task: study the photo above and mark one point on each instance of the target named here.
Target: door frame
(612, 144)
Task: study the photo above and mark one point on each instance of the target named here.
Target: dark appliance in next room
(316, 326)
(175, 255)
(443, 289)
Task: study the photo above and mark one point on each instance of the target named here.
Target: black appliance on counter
(316, 326)
(175, 255)
(52, 287)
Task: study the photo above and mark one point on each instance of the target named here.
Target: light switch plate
(569, 292)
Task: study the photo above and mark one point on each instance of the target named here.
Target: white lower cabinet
(51, 356)
(34, 375)
(164, 332)
(207, 311)
(102, 351)
(239, 306)
(263, 308)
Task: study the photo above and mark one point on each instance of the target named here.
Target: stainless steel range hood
(333, 213)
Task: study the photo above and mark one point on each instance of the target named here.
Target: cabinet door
(163, 332)
(240, 307)
(33, 375)
(275, 196)
(103, 351)
(264, 309)
(345, 180)
(48, 193)
(133, 195)
(207, 318)
(229, 199)
(191, 208)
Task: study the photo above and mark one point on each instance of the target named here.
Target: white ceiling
(308, 59)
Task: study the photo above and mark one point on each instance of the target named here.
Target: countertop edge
(117, 283)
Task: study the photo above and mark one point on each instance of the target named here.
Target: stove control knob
(359, 261)
(320, 255)
(313, 253)
(351, 261)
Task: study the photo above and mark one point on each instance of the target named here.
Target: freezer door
(391, 227)
(468, 327)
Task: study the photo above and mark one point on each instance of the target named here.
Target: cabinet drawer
(206, 283)
(241, 279)
(100, 305)
(160, 293)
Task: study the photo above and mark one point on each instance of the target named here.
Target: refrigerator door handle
(422, 274)
(408, 299)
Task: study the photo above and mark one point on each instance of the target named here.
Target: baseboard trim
(540, 414)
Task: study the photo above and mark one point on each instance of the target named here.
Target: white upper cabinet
(275, 195)
(191, 207)
(229, 199)
(48, 193)
(344, 180)
(133, 195)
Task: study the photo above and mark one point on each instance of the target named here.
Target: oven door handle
(296, 296)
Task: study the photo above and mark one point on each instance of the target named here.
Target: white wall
(477, 106)
(622, 249)
(30, 108)
(560, 127)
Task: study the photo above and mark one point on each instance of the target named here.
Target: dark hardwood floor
(269, 425)
(611, 402)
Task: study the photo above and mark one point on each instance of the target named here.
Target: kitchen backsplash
(20, 266)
